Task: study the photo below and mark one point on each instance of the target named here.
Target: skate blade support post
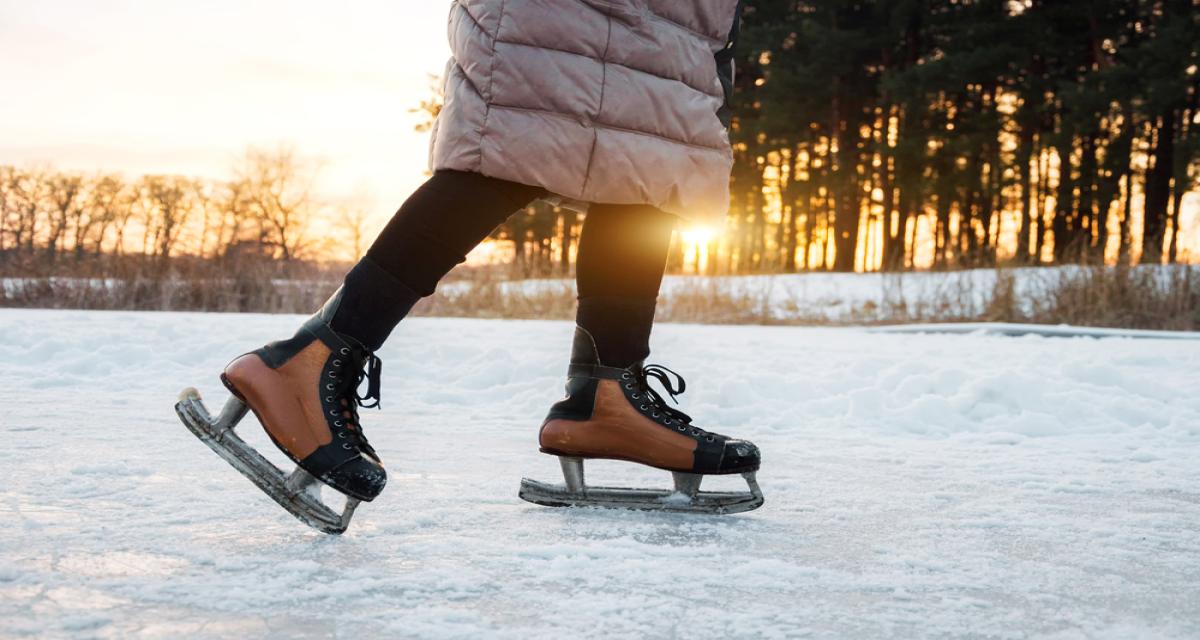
(298, 492)
(685, 498)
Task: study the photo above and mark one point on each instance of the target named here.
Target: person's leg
(304, 389)
(432, 232)
(619, 268)
(611, 410)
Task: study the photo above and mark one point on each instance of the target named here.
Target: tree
(351, 218)
(104, 198)
(277, 185)
(168, 202)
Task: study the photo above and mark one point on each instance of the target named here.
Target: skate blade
(298, 492)
(708, 502)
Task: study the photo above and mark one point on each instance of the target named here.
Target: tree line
(268, 210)
(905, 134)
(959, 133)
(867, 135)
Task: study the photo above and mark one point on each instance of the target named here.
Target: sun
(694, 241)
(697, 235)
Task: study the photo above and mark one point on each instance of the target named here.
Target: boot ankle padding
(615, 429)
(286, 399)
(580, 400)
(583, 347)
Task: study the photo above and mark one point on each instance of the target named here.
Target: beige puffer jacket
(610, 101)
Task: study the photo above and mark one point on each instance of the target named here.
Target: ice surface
(917, 486)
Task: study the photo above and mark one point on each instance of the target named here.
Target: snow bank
(842, 298)
(917, 485)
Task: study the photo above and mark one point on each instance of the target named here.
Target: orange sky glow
(184, 88)
(164, 87)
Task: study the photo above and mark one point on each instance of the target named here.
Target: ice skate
(614, 413)
(304, 392)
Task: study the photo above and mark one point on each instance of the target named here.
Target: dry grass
(1146, 298)
(247, 286)
(484, 294)
(711, 301)
(1143, 297)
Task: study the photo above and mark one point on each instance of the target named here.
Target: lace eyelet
(347, 446)
(328, 398)
(654, 415)
(342, 434)
(337, 423)
(681, 428)
(333, 413)
(709, 439)
(625, 376)
(332, 374)
(628, 386)
(695, 432)
(344, 351)
(636, 396)
(329, 387)
(643, 407)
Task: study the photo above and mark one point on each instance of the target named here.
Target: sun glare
(695, 241)
(693, 236)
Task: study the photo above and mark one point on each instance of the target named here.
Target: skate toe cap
(361, 478)
(740, 456)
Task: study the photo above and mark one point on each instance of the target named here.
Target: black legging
(619, 267)
(622, 251)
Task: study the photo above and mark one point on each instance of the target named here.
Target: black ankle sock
(370, 304)
(619, 326)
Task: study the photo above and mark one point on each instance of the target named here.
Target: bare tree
(66, 204)
(235, 215)
(168, 202)
(109, 208)
(279, 190)
(28, 191)
(209, 209)
(6, 197)
(352, 219)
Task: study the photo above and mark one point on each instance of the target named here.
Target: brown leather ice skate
(304, 392)
(614, 413)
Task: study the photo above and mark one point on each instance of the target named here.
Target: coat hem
(612, 127)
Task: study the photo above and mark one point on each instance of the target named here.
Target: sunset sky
(185, 87)
(171, 87)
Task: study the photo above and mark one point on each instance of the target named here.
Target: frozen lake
(916, 485)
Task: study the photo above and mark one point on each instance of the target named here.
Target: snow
(923, 485)
(1021, 329)
(823, 296)
(840, 298)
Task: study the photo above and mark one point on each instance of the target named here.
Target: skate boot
(614, 413)
(304, 391)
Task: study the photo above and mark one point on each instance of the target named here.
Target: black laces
(366, 366)
(371, 370)
(673, 387)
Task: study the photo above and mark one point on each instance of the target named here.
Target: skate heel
(229, 386)
(298, 492)
(686, 497)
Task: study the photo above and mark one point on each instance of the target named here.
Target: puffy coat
(612, 101)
